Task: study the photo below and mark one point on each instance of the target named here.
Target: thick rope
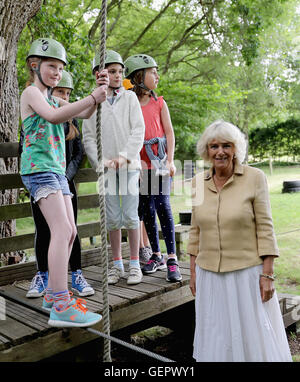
(103, 232)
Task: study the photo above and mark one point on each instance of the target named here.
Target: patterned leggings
(155, 198)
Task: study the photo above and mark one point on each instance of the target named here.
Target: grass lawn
(286, 217)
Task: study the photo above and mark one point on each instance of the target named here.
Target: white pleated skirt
(232, 322)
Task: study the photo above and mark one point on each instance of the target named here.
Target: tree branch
(145, 30)
(185, 36)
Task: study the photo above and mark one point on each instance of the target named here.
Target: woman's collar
(238, 169)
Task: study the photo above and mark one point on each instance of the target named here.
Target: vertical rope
(103, 233)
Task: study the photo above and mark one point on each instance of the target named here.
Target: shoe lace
(80, 305)
(37, 281)
(151, 261)
(81, 280)
(172, 268)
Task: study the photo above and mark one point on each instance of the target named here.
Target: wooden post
(271, 165)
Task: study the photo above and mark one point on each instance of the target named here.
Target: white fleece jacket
(123, 130)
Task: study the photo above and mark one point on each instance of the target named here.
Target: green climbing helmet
(138, 62)
(48, 48)
(66, 81)
(111, 57)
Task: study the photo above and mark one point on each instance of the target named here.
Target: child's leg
(164, 213)
(148, 205)
(71, 219)
(62, 233)
(144, 235)
(133, 236)
(130, 203)
(115, 242)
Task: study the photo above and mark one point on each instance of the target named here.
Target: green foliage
(276, 140)
(223, 59)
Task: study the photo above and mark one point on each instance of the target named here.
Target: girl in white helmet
(123, 132)
(43, 166)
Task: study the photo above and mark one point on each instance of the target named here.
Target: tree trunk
(14, 15)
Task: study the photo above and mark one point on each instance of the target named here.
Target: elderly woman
(232, 247)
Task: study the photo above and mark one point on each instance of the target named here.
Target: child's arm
(32, 99)
(89, 140)
(169, 132)
(85, 114)
(89, 111)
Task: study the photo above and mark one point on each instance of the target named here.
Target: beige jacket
(231, 229)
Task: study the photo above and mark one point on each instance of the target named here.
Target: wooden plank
(88, 201)
(15, 331)
(9, 149)
(10, 181)
(4, 342)
(86, 175)
(16, 272)
(49, 345)
(15, 211)
(11, 273)
(150, 307)
(26, 316)
(23, 210)
(26, 241)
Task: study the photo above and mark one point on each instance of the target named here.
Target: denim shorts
(42, 184)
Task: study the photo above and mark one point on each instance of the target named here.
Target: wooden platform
(25, 335)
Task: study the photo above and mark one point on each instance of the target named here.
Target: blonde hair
(73, 131)
(29, 61)
(225, 131)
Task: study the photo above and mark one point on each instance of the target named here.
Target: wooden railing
(23, 210)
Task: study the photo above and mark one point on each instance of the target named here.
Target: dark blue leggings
(155, 198)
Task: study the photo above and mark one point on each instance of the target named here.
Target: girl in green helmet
(74, 156)
(157, 157)
(43, 167)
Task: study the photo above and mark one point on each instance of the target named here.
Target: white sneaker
(135, 276)
(144, 255)
(114, 275)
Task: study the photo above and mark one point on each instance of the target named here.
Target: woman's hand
(266, 285)
(267, 288)
(193, 275)
(193, 283)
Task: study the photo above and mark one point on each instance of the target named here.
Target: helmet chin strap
(38, 73)
(143, 86)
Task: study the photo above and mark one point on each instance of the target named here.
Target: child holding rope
(123, 134)
(74, 156)
(43, 165)
(157, 157)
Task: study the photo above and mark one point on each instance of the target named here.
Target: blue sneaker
(38, 285)
(79, 284)
(75, 315)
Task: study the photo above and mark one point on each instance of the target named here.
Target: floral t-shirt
(43, 146)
